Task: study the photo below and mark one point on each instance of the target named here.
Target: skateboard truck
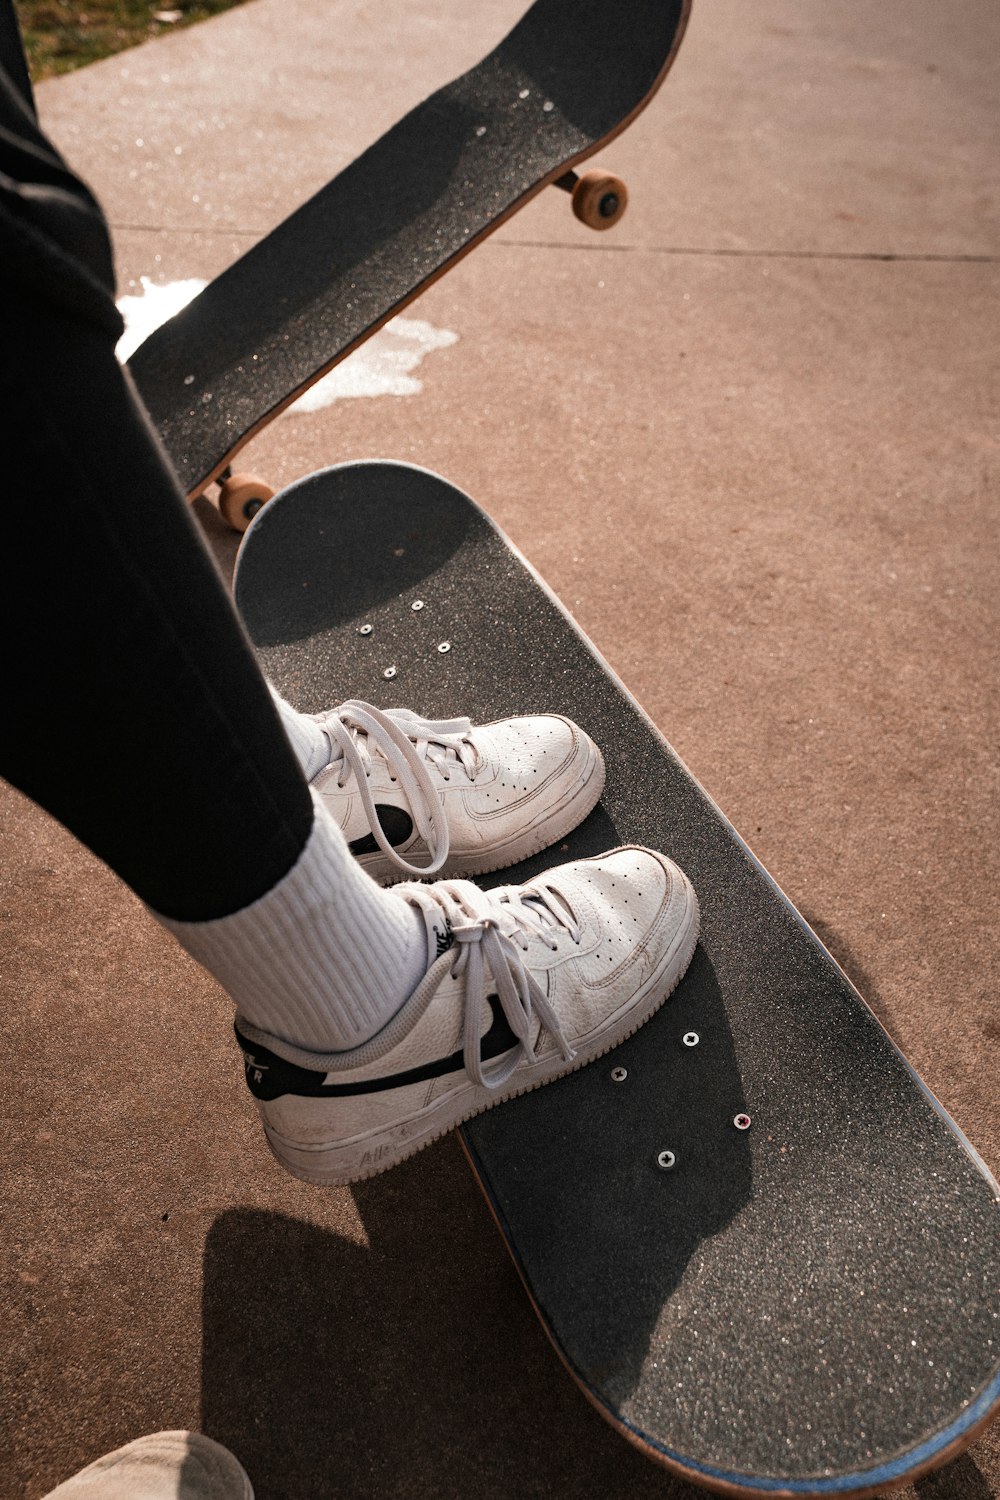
(599, 198)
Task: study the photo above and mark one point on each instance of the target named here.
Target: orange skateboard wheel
(599, 199)
(241, 496)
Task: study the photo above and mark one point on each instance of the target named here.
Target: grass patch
(60, 35)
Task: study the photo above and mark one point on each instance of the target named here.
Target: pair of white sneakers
(523, 983)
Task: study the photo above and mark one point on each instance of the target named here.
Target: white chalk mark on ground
(383, 366)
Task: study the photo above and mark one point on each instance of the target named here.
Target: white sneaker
(523, 984)
(418, 797)
(162, 1466)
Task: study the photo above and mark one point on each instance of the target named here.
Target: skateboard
(569, 78)
(757, 1242)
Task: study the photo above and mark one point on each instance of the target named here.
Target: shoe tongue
(438, 929)
(557, 899)
(550, 909)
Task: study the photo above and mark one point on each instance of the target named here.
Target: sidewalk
(751, 438)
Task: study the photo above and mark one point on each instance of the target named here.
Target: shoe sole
(336, 1163)
(465, 866)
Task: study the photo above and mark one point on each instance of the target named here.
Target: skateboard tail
(863, 1484)
(609, 671)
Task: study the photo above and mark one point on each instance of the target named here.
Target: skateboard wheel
(599, 199)
(241, 496)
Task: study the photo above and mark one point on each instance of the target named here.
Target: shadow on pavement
(410, 1366)
(961, 1480)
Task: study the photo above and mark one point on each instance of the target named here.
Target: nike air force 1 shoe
(418, 797)
(162, 1466)
(524, 983)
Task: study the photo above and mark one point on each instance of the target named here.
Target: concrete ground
(751, 438)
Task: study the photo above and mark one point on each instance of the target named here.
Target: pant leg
(131, 706)
(134, 708)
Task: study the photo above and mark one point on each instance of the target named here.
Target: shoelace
(406, 743)
(491, 929)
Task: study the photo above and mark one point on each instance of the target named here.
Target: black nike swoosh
(271, 1077)
(396, 824)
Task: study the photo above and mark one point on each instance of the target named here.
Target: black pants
(131, 705)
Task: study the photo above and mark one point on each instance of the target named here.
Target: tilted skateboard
(758, 1243)
(569, 77)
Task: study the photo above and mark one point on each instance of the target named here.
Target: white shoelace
(406, 743)
(491, 930)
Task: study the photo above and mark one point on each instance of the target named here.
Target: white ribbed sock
(324, 959)
(307, 739)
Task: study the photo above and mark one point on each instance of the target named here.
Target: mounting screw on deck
(444, 646)
(666, 1161)
(417, 604)
(619, 1075)
(690, 1039)
(389, 672)
(365, 629)
(742, 1122)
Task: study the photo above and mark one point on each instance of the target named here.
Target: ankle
(309, 742)
(325, 958)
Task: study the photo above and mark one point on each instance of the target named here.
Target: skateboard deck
(569, 77)
(757, 1242)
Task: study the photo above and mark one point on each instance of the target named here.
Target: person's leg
(126, 669)
(135, 713)
(371, 1020)
(135, 710)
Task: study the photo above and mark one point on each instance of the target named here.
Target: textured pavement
(751, 438)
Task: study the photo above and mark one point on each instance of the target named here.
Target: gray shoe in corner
(161, 1466)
